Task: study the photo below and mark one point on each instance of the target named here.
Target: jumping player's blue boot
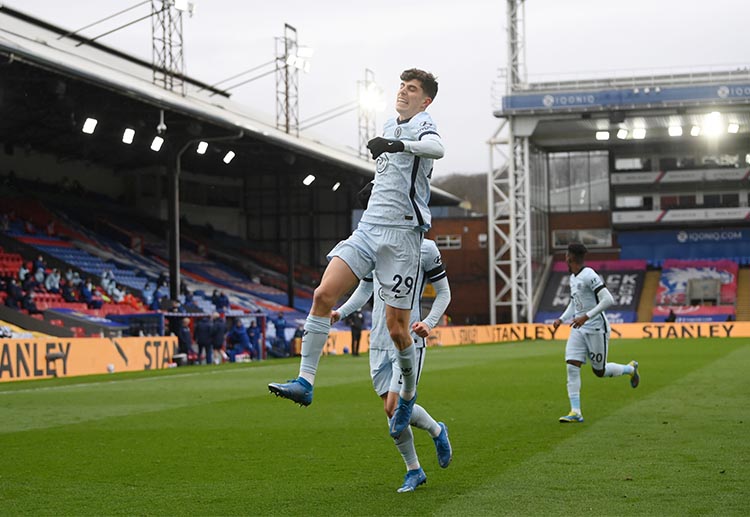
(443, 447)
(401, 416)
(412, 480)
(297, 390)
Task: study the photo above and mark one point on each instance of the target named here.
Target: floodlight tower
(508, 192)
(167, 43)
(287, 81)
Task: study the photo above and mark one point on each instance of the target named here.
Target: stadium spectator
(589, 335)
(222, 302)
(15, 294)
(68, 293)
(88, 295)
(672, 317)
(384, 368)
(108, 281)
(29, 304)
(218, 332)
(279, 324)
(39, 274)
(40, 264)
(189, 302)
(184, 337)
(387, 241)
(203, 338)
(73, 278)
(356, 321)
(23, 272)
(117, 292)
(155, 304)
(253, 332)
(162, 281)
(52, 282)
(5, 223)
(239, 341)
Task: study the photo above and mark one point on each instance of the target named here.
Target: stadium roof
(50, 82)
(568, 114)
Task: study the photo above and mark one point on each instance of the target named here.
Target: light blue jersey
(584, 290)
(401, 188)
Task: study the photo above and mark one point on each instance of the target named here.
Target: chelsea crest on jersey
(401, 190)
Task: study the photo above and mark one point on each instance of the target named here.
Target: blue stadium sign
(625, 98)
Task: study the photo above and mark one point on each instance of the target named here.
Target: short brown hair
(429, 81)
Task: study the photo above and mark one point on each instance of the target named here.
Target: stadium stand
(697, 290)
(624, 278)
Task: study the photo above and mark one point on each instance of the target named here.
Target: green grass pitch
(213, 441)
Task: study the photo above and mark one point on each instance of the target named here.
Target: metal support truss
(508, 195)
(287, 82)
(509, 225)
(167, 46)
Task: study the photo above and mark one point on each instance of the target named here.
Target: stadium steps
(648, 295)
(743, 294)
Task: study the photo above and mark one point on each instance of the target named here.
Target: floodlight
(639, 133)
(336, 186)
(712, 124)
(157, 143)
(305, 52)
(695, 131)
(733, 127)
(308, 180)
(229, 157)
(202, 146)
(128, 135)
(89, 126)
(185, 6)
(675, 130)
(622, 133)
(602, 135)
(371, 98)
(301, 58)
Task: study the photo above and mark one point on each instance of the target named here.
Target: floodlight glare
(712, 125)
(308, 180)
(371, 98)
(336, 186)
(733, 128)
(185, 6)
(229, 157)
(622, 134)
(157, 143)
(639, 133)
(128, 135)
(301, 58)
(202, 146)
(305, 52)
(602, 135)
(89, 126)
(695, 131)
(675, 130)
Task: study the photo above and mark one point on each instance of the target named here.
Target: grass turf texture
(212, 440)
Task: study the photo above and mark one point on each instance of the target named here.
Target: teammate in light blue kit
(387, 241)
(384, 370)
(589, 336)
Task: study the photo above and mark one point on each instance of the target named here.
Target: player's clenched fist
(380, 145)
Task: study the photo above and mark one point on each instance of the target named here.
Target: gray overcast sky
(462, 42)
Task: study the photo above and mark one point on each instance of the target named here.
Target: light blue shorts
(592, 346)
(385, 372)
(392, 253)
